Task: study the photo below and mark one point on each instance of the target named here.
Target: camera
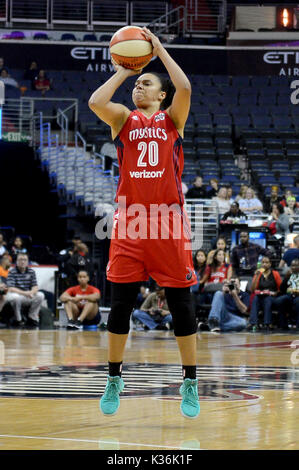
(231, 285)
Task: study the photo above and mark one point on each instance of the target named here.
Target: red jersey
(151, 160)
(219, 275)
(76, 290)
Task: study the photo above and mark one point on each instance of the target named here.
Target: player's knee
(119, 318)
(182, 311)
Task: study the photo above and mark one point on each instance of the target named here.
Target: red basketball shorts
(158, 247)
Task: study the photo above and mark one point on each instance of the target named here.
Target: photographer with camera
(227, 307)
(154, 313)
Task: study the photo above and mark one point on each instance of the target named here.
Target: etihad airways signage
(197, 60)
(287, 60)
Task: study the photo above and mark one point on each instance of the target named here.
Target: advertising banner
(194, 60)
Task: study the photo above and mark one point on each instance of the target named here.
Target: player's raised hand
(157, 46)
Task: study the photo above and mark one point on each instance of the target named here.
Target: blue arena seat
(68, 37)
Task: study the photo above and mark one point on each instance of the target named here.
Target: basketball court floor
(51, 381)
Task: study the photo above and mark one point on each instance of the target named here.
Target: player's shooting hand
(157, 46)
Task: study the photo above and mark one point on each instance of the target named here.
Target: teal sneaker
(110, 402)
(190, 403)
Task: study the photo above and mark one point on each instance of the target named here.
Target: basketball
(130, 49)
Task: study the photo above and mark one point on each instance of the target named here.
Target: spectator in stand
(287, 194)
(1, 63)
(214, 275)
(242, 193)
(244, 257)
(42, 83)
(3, 247)
(17, 247)
(81, 303)
(143, 294)
(31, 73)
(229, 194)
(227, 307)
(274, 198)
(197, 191)
(199, 263)
(79, 260)
(220, 245)
(23, 291)
(290, 254)
(7, 79)
(234, 214)
(250, 204)
(5, 264)
(223, 204)
(265, 287)
(288, 302)
(291, 210)
(154, 313)
(279, 221)
(214, 183)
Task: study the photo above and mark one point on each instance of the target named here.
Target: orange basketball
(130, 48)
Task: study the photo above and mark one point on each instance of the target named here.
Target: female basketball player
(150, 155)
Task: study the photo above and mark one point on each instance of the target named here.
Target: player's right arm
(114, 114)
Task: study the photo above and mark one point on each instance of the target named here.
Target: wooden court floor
(50, 383)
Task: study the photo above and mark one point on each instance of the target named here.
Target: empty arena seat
(68, 37)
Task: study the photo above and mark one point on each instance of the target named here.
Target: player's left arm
(180, 106)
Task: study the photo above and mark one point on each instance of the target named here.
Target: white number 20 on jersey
(151, 150)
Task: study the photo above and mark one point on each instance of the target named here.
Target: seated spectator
(291, 210)
(23, 291)
(244, 257)
(234, 214)
(289, 300)
(1, 63)
(214, 275)
(242, 193)
(274, 198)
(5, 264)
(250, 204)
(290, 254)
(288, 193)
(5, 309)
(223, 204)
(279, 221)
(7, 79)
(154, 313)
(197, 191)
(3, 247)
(143, 294)
(81, 303)
(79, 260)
(227, 307)
(199, 263)
(41, 82)
(17, 247)
(229, 194)
(220, 245)
(214, 188)
(265, 285)
(31, 73)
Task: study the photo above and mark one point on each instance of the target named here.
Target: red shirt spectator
(42, 83)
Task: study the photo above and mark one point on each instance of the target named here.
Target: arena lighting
(285, 17)
(2, 94)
